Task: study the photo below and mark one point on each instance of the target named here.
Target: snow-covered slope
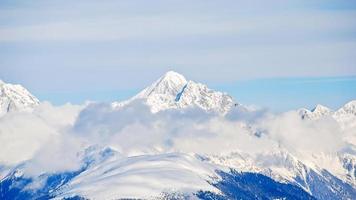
(109, 175)
(141, 177)
(15, 98)
(173, 91)
(338, 177)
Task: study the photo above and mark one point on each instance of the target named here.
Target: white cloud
(58, 154)
(58, 116)
(288, 129)
(135, 130)
(41, 139)
(23, 134)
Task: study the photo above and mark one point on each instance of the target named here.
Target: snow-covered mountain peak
(168, 85)
(345, 116)
(173, 91)
(15, 98)
(348, 108)
(321, 110)
(173, 76)
(170, 78)
(317, 112)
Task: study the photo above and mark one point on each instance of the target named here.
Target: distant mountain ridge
(345, 116)
(320, 111)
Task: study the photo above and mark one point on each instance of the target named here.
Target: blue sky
(291, 93)
(256, 50)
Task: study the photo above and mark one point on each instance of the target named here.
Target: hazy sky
(103, 50)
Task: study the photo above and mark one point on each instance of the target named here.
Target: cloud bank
(53, 139)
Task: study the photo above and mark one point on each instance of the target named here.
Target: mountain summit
(345, 116)
(348, 109)
(15, 98)
(317, 112)
(165, 88)
(173, 91)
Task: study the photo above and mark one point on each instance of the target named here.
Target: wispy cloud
(275, 26)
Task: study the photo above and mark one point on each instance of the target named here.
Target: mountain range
(282, 172)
